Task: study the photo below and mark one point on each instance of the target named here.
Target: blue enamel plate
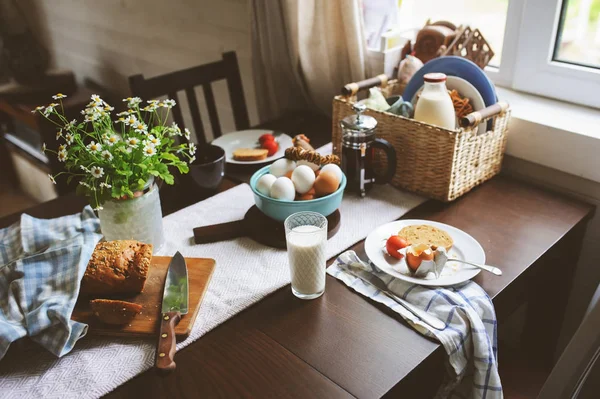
(455, 66)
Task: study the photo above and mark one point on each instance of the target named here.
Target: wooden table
(344, 345)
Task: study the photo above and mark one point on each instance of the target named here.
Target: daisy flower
(124, 113)
(97, 172)
(153, 141)
(168, 103)
(96, 98)
(107, 155)
(94, 147)
(84, 168)
(132, 101)
(187, 133)
(130, 120)
(49, 109)
(140, 127)
(111, 140)
(153, 102)
(133, 142)
(69, 138)
(192, 159)
(58, 134)
(62, 156)
(149, 150)
(43, 148)
(62, 147)
(105, 185)
(84, 184)
(174, 130)
(192, 148)
(38, 109)
(98, 208)
(51, 178)
(59, 96)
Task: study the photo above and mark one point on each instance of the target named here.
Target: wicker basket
(432, 161)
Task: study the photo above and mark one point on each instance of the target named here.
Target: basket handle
(352, 88)
(475, 118)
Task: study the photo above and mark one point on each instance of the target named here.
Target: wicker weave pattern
(432, 161)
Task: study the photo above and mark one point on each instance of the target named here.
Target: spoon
(487, 268)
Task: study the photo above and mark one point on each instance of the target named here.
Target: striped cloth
(41, 266)
(470, 336)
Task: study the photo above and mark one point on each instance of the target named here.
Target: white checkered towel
(470, 334)
(41, 266)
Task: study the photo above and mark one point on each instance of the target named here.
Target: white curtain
(304, 51)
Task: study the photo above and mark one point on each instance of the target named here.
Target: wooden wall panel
(110, 40)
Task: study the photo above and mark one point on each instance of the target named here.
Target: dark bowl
(208, 169)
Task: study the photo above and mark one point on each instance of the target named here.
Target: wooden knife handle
(165, 350)
(219, 232)
(352, 88)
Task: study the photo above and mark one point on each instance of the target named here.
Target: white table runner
(246, 272)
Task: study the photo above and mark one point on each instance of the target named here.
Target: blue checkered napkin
(469, 337)
(42, 262)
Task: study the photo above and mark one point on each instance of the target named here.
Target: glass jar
(435, 105)
(138, 218)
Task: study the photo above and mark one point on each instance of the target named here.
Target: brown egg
(317, 172)
(416, 254)
(289, 174)
(309, 195)
(326, 183)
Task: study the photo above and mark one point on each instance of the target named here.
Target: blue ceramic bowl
(280, 210)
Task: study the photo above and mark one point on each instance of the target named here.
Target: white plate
(249, 139)
(465, 89)
(465, 247)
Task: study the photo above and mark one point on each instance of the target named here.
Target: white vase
(138, 218)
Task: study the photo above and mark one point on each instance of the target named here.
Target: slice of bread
(425, 234)
(250, 154)
(114, 311)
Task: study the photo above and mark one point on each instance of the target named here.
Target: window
(546, 47)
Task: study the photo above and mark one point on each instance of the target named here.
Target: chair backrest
(186, 80)
(576, 373)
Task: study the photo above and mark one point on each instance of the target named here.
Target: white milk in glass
(435, 105)
(306, 252)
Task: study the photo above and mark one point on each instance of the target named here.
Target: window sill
(552, 133)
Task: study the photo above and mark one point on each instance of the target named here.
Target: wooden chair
(186, 80)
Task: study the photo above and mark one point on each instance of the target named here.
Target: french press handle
(390, 153)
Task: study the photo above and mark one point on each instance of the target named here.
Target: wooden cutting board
(145, 324)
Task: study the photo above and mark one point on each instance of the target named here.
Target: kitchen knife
(174, 305)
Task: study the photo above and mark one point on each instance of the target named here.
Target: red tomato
(266, 137)
(394, 244)
(271, 145)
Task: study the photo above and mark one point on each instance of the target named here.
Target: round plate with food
(458, 244)
(255, 146)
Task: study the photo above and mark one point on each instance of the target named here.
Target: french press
(358, 147)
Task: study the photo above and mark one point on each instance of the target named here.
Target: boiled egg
(303, 178)
(281, 167)
(331, 167)
(283, 189)
(263, 185)
(326, 183)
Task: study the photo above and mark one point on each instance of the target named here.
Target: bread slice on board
(114, 311)
(250, 154)
(425, 234)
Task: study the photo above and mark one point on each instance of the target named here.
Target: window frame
(527, 56)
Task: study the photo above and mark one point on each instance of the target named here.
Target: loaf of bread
(115, 312)
(117, 267)
(425, 234)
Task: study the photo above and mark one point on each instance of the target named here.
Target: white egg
(303, 178)
(263, 185)
(283, 189)
(281, 167)
(311, 165)
(331, 167)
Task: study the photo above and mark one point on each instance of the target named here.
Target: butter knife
(174, 305)
(378, 283)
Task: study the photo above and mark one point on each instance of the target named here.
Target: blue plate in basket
(455, 66)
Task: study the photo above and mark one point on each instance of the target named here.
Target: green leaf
(168, 178)
(170, 157)
(183, 168)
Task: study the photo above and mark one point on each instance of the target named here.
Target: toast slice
(425, 234)
(250, 154)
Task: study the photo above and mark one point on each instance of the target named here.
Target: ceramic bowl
(280, 210)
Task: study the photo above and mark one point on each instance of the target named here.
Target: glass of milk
(306, 236)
